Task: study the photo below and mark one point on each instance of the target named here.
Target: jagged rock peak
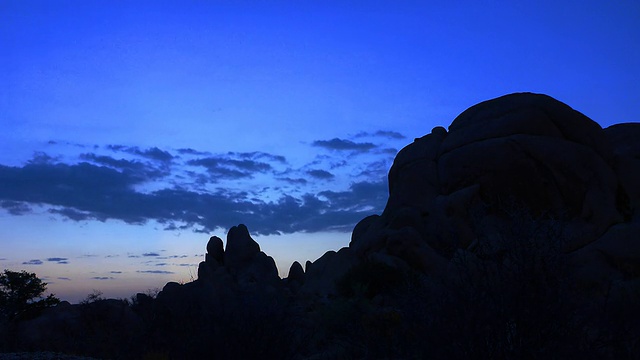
(296, 273)
(215, 250)
(240, 246)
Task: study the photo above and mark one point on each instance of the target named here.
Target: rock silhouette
(524, 152)
(516, 233)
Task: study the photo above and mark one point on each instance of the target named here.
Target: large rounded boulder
(520, 156)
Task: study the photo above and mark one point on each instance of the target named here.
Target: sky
(133, 131)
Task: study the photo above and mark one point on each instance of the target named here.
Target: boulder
(241, 248)
(296, 273)
(215, 251)
(520, 153)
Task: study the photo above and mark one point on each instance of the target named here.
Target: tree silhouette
(21, 292)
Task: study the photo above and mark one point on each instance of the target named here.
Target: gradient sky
(132, 131)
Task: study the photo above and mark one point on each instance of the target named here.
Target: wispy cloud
(225, 168)
(189, 151)
(151, 153)
(135, 168)
(321, 174)
(342, 144)
(381, 133)
(33, 262)
(15, 207)
(58, 260)
(155, 272)
(256, 155)
(292, 181)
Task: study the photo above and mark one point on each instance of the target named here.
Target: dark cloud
(33, 262)
(150, 254)
(72, 214)
(153, 153)
(189, 151)
(382, 133)
(175, 227)
(112, 162)
(40, 157)
(223, 167)
(219, 168)
(117, 147)
(102, 278)
(15, 207)
(155, 272)
(321, 174)
(255, 155)
(249, 165)
(341, 144)
(79, 192)
(63, 278)
(135, 169)
(171, 257)
(297, 181)
(115, 272)
(85, 191)
(58, 260)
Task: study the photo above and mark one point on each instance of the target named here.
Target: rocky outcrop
(322, 275)
(296, 276)
(518, 154)
(242, 259)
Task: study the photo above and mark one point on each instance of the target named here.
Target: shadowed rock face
(624, 138)
(525, 153)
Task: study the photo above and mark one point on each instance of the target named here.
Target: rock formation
(517, 231)
(242, 259)
(520, 153)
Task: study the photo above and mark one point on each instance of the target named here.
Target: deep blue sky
(144, 127)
